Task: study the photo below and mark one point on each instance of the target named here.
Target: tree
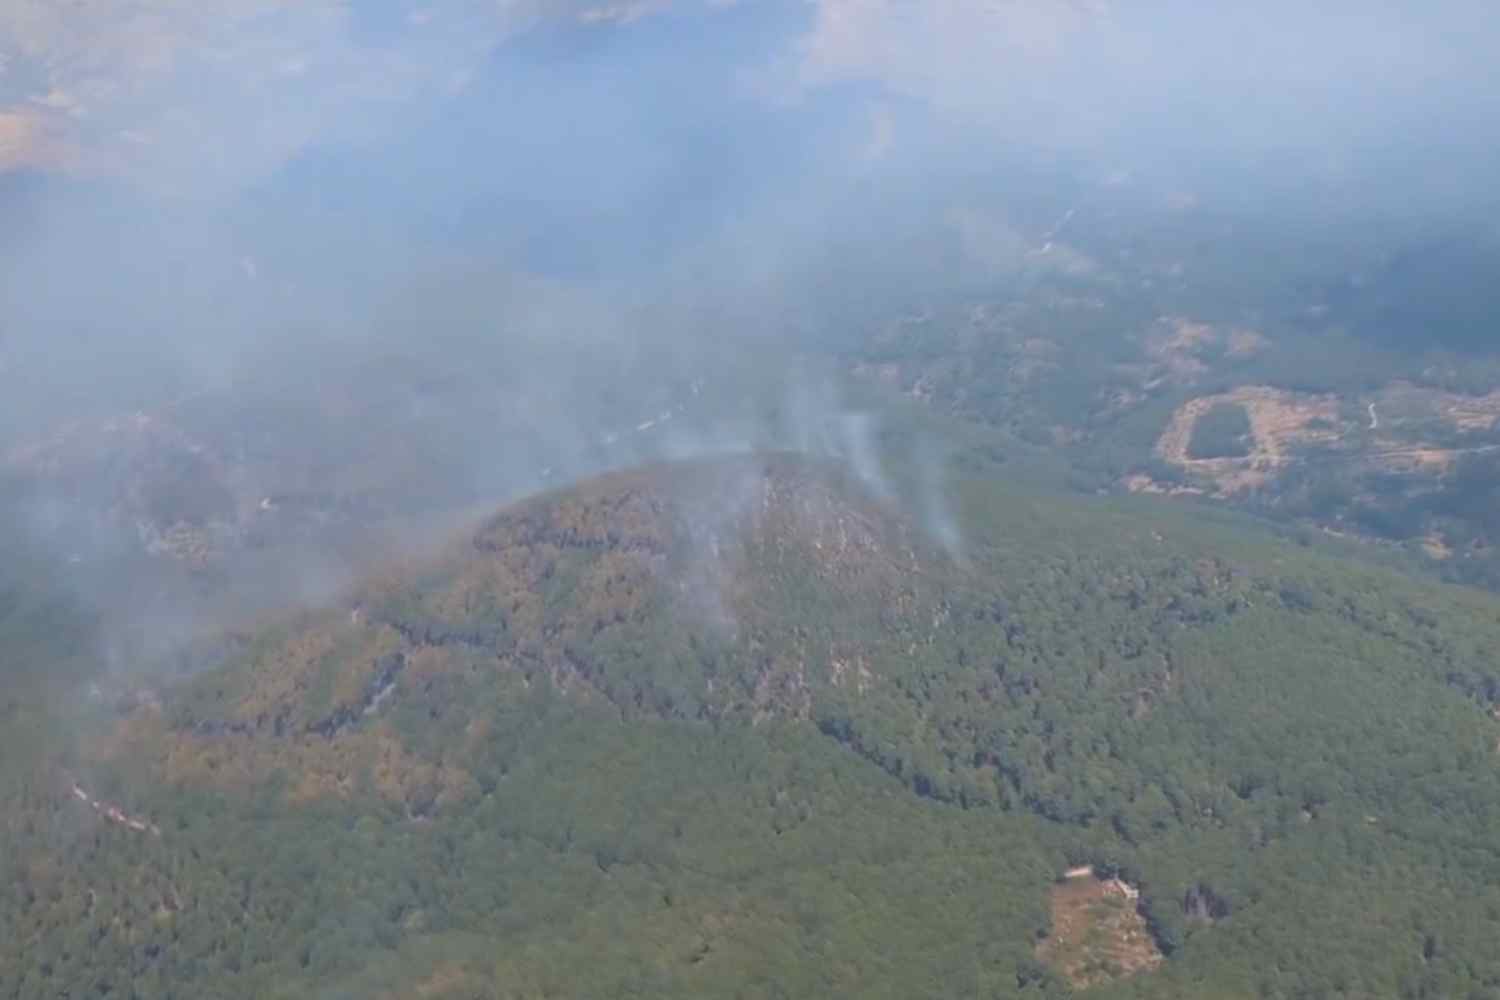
(1223, 432)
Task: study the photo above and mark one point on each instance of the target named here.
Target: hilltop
(742, 727)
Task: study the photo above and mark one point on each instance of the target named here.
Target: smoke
(936, 512)
(861, 452)
(358, 266)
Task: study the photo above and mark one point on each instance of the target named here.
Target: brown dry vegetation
(1097, 934)
(1404, 402)
(307, 702)
(1179, 347)
(1436, 546)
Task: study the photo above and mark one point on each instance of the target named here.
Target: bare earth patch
(1395, 436)
(1278, 420)
(1436, 547)
(1097, 932)
(1184, 349)
(1435, 461)
(1472, 413)
(1403, 403)
(1139, 482)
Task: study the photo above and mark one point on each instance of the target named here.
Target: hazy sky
(189, 175)
(186, 172)
(213, 92)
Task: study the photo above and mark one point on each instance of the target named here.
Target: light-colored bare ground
(1278, 420)
(1471, 413)
(1184, 347)
(1404, 403)
(1140, 483)
(1177, 343)
(1435, 461)
(1436, 547)
(1097, 933)
(1283, 422)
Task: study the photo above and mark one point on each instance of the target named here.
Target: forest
(1084, 371)
(575, 756)
(807, 498)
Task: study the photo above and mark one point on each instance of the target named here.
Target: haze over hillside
(693, 497)
(739, 726)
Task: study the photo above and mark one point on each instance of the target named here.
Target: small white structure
(1114, 884)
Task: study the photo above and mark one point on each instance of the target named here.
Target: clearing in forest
(1279, 421)
(1097, 932)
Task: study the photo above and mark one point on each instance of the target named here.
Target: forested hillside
(744, 728)
(1326, 371)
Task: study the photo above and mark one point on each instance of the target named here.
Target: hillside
(1360, 357)
(740, 728)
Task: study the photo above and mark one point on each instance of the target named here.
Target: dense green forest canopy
(1222, 432)
(739, 728)
(1437, 292)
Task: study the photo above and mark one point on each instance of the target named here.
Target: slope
(738, 728)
